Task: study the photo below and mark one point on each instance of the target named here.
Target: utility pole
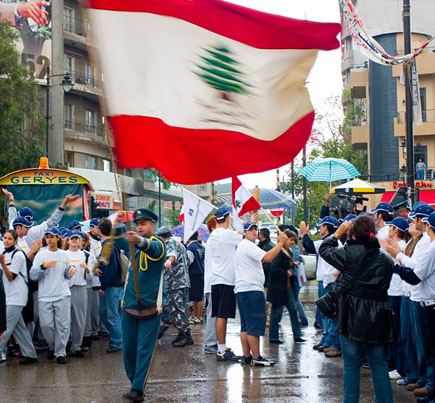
(410, 165)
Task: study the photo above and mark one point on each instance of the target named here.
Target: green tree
(21, 120)
(330, 137)
(173, 216)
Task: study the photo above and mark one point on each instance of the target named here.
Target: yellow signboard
(42, 177)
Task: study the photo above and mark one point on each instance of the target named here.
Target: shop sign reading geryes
(418, 184)
(42, 177)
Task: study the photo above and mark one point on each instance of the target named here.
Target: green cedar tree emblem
(238, 204)
(221, 71)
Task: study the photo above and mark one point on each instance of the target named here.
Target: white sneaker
(394, 375)
(192, 320)
(3, 356)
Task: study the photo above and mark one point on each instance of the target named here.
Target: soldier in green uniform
(139, 336)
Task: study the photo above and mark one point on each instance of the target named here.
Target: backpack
(31, 284)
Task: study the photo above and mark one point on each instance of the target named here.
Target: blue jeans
(109, 313)
(411, 363)
(330, 337)
(419, 174)
(420, 335)
(276, 314)
(352, 353)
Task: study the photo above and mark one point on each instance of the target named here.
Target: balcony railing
(85, 79)
(93, 129)
(427, 115)
(429, 175)
(75, 26)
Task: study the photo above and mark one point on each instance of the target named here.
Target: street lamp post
(410, 169)
(67, 85)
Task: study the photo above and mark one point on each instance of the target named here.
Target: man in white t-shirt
(249, 290)
(221, 247)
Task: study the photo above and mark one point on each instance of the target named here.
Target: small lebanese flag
(181, 218)
(204, 90)
(243, 202)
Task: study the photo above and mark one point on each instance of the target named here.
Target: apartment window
(68, 116)
(107, 166)
(202, 188)
(149, 175)
(89, 75)
(70, 159)
(68, 63)
(423, 104)
(90, 162)
(68, 19)
(90, 121)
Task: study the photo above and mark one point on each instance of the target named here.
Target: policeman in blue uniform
(139, 336)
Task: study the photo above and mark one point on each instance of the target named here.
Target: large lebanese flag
(204, 89)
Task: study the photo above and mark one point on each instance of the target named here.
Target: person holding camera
(364, 317)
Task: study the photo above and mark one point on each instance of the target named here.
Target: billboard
(32, 20)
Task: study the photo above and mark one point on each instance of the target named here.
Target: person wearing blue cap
(384, 213)
(398, 231)
(422, 277)
(14, 268)
(221, 247)
(52, 269)
(326, 275)
(249, 290)
(415, 332)
(77, 285)
(93, 313)
(28, 232)
(139, 336)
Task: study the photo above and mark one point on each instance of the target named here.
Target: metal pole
(160, 202)
(47, 112)
(293, 179)
(410, 168)
(304, 182)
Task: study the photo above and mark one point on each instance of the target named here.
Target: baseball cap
(222, 212)
(383, 207)
(52, 231)
(26, 212)
(349, 217)
(328, 220)
(430, 220)
(248, 225)
(22, 221)
(73, 225)
(94, 222)
(400, 223)
(72, 234)
(421, 211)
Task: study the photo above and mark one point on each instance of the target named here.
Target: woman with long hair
(14, 268)
(364, 317)
(282, 291)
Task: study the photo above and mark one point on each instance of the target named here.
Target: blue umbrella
(271, 199)
(328, 170)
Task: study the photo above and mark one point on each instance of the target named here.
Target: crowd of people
(62, 288)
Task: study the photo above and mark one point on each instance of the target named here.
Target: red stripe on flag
(250, 205)
(235, 184)
(192, 156)
(251, 27)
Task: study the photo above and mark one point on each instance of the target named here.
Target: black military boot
(182, 341)
(178, 338)
(189, 340)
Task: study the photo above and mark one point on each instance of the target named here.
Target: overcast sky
(325, 78)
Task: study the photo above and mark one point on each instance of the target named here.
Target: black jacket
(266, 245)
(363, 312)
(2, 306)
(276, 292)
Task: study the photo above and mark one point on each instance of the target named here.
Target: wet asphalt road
(188, 375)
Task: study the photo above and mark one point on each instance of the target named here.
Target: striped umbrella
(328, 170)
